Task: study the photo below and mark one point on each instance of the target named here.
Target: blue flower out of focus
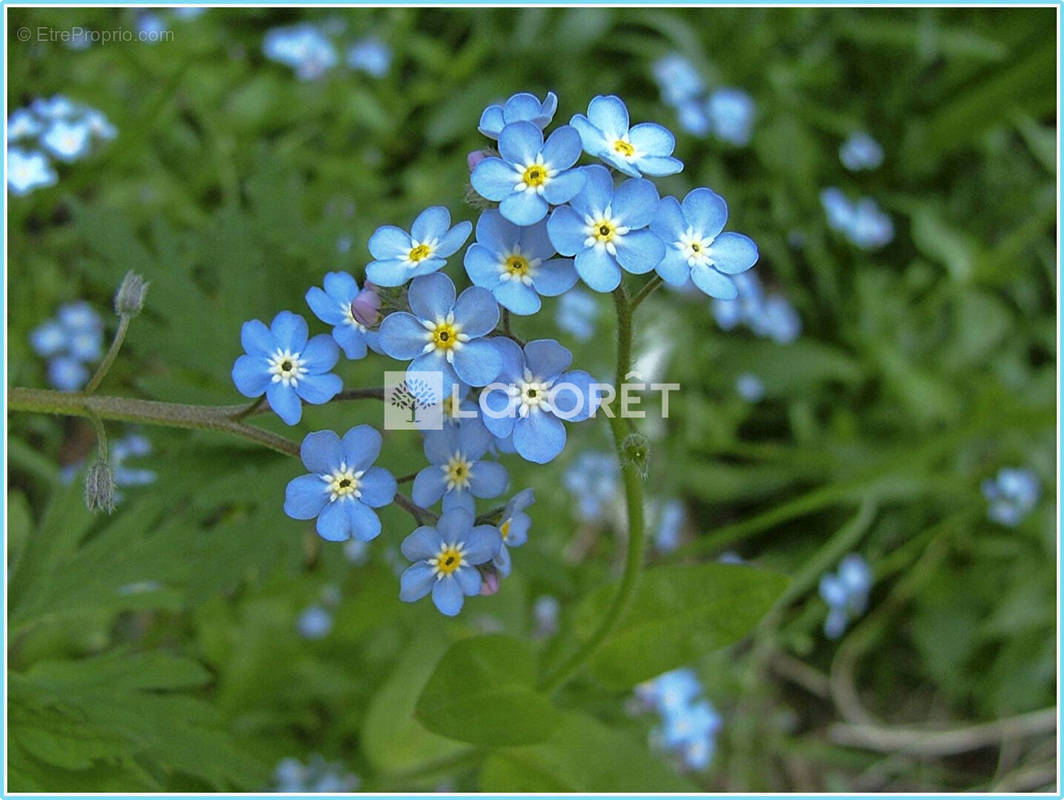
(515, 263)
(576, 314)
(521, 107)
(281, 363)
(749, 387)
(370, 55)
(846, 593)
(1011, 494)
(343, 486)
(678, 80)
(533, 394)
(670, 526)
(302, 47)
(513, 528)
(446, 557)
(314, 623)
(334, 306)
(863, 223)
(444, 334)
(606, 229)
(457, 471)
(530, 175)
(860, 152)
(317, 776)
(70, 341)
(400, 256)
(695, 248)
(768, 315)
(593, 479)
(643, 149)
(61, 128)
(689, 724)
(731, 115)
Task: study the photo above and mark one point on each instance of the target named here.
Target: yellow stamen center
(419, 253)
(517, 266)
(504, 529)
(457, 472)
(604, 231)
(534, 175)
(447, 560)
(624, 148)
(445, 336)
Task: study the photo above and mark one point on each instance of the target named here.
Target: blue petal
(489, 479)
(454, 525)
(534, 240)
(523, 208)
(458, 499)
(378, 487)
(320, 354)
(340, 286)
(574, 402)
(491, 121)
(454, 238)
(596, 195)
(513, 360)
(659, 166)
(285, 402)
(539, 438)
(598, 269)
(305, 497)
(352, 340)
(519, 525)
(334, 524)
(521, 106)
(422, 544)
(251, 375)
(501, 561)
(393, 272)
(289, 331)
(705, 211)
(590, 137)
(361, 446)
(431, 297)
(564, 187)
(318, 389)
(555, 277)
(482, 266)
(651, 139)
(416, 582)
(567, 231)
(446, 593)
(435, 362)
(713, 283)
(474, 441)
(673, 268)
(562, 148)
(402, 336)
(477, 362)
(640, 251)
(321, 451)
(733, 253)
(428, 486)
(499, 418)
(496, 234)
(520, 143)
(325, 308)
(255, 338)
(610, 115)
(517, 297)
(635, 203)
(440, 445)
(364, 523)
(426, 267)
(468, 580)
(669, 222)
(546, 358)
(430, 224)
(389, 242)
(494, 179)
(481, 543)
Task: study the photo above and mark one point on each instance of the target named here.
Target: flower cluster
(311, 53)
(689, 723)
(765, 313)
(1011, 494)
(860, 152)
(316, 776)
(726, 113)
(846, 593)
(70, 341)
(862, 222)
(58, 129)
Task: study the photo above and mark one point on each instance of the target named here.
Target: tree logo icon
(413, 400)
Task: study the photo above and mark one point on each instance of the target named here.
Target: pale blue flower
(314, 623)
(370, 55)
(577, 313)
(521, 107)
(67, 374)
(643, 149)
(731, 114)
(23, 124)
(28, 170)
(670, 526)
(860, 152)
(1011, 494)
(863, 222)
(546, 611)
(846, 593)
(694, 118)
(457, 470)
(67, 140)
(749, 387)
(334, 306)
(317, 776)
(302, 47)
(55, 107)
(594, 481)
(678, 80)
(513, 526)
(769, 315)
(400, 256)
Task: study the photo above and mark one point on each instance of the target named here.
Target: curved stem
(648, 289)
(109, 359)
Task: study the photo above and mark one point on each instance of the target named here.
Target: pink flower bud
(489, 583)
(476, 157)
(366, 306)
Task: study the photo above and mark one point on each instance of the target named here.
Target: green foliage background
(922, 369)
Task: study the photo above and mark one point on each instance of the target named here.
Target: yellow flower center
(603, 231)
(457, 472)
(445, 335)
(517, 266)
(447, 560)
(419, 253)
(534, 175)
(343, 482)
(624, 148)
(504, 529)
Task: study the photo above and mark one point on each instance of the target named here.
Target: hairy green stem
(109, 359)
(647, 289)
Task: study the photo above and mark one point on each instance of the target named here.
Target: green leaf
(944, 243)
(482, 692)
(582, 755)
(678, 614)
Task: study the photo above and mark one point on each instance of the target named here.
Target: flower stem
(112, 354)
(648, 289)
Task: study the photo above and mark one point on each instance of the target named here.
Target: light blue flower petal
(574, 402)
(523, 208)
(434, 362)
(669, 222)
(428, 486)
(251, 375)
(621, 164)
(500, 420)
(482, 266)
(325, 308)
(481, 543)
(431, 297)
(521, 106)
(455, 525)
(520, 501)
(334, 524)
(596, 195)
(393, 272)
(389, 242)
(534, 240)
(289, 331)
(416, 582)
(640, 251)
(361, 446)
(255, 338)
(659, 166)
(495, 234)
(364, 523)
(305, 497)
(351, 340)
(673, 268)
(652, 139)
(402, 336)
(520, 143)
(501, 561)
(430, 224)
(491, 121)
(590, 137)
(285, 402)
(564, 187)
(562, 148)
(426, 267)
(705, 211)
(519, 527)
(320, 354)
(378, 487)
(635, 203)
(713, 283)
(318, 389)
(458, 499)
(513, 362)
(474, 441)
(468, 580)
(598, 269)
(440, 445)
(422, 544)
(546, 358)
(517, 297)
(478, 362)
(733, 253)
(547, 109)
(567, 231)
(555, 277)
(610, 115)
(494, 179)
(489, 479)
(453, 239)
(539, 438)
(447, 594)
(340, 286)
(321, 451)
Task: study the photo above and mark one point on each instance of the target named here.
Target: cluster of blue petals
(846, 593)
(689, 723)
(70, 341)
(726, 113)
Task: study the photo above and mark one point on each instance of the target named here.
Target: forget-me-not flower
(862, 222)
(28, 170)
(731, 115)
(280, 362)
(444, 334)
(513, 528)
(576, 314)
(1012, 493)
(67, 140)
(678, 80)
(457, 470)
(766, 314)
(343, 486)
(606, 229)
(670, 526)
(74, 337)
(317, 776)
(860, 151)
(446, 558)
(22, 124)
(400, 256)
(530, 175)
(695, 248)
(516, 264)
(314, 623)
(643, 149)
(521, 107)
(302, 47)
(335, 305)
(370, 55)
(846, 593)
(749, 387)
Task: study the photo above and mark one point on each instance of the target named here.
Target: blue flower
(446, 557)
(314, 623)
(513, 528)
(344, 487)
(282, 363)
(530, 176)
(670, 526)
(678, 80)
(49, 338)
(1011, 494)
(57, 107)
(67, 140)
(863, 223)
(731, 114)
(646, 149)
(768, 315)
(456, 470)
(73, 337)
(533, 394)
(671, 690)
(860, 151)
(318, 775)
(515, 264)
(67, 374)
(593, 479)
(370, 55)
(576, 314)
(846, 593)
(606, 229)
(302, 47)
(521, 107)
(696, 248)
(333, 306)
(749, 387)
(546, 611)
(28, 170)
(694, 118)
(690, 723)
(22, 124)
(401, 256)
(443, 334)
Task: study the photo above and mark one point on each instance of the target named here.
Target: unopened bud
(635, 450)
(489, 581)
(100, 487)
(365, 308)
(476, 157)
(129, 300)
